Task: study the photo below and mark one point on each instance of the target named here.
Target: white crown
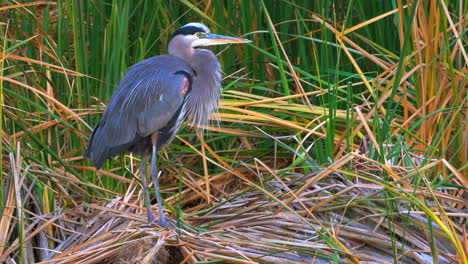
(199, 25)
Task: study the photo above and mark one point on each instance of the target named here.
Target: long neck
(206, 87)
(180, 48)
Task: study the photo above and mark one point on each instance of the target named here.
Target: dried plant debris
(338, 214)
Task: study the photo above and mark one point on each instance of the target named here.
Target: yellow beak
(215, 39)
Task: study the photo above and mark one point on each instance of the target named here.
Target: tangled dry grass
(336, 214)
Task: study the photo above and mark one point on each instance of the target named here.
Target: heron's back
(150, 98)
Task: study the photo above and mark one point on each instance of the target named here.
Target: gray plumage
(155, 97)
(146, 100)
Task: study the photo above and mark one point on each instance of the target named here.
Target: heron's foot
(151, 218)
(172, 224)
(162, 221)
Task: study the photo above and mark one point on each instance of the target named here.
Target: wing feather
(147, 98)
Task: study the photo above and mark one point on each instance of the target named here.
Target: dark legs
(145, 189)
(154, 176)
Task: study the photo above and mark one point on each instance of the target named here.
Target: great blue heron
(155, 97)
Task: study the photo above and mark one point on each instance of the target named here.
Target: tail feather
(96, 151)
(99, 150)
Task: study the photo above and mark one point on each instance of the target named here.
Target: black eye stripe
(188, 30)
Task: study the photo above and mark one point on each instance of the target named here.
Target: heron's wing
(147, 98)
(158, 111)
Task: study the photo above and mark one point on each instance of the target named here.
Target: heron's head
(198, 35)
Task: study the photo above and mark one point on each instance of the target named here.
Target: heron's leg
(144, 182)
(154, 176)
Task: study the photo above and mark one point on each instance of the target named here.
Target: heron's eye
(198, 34)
